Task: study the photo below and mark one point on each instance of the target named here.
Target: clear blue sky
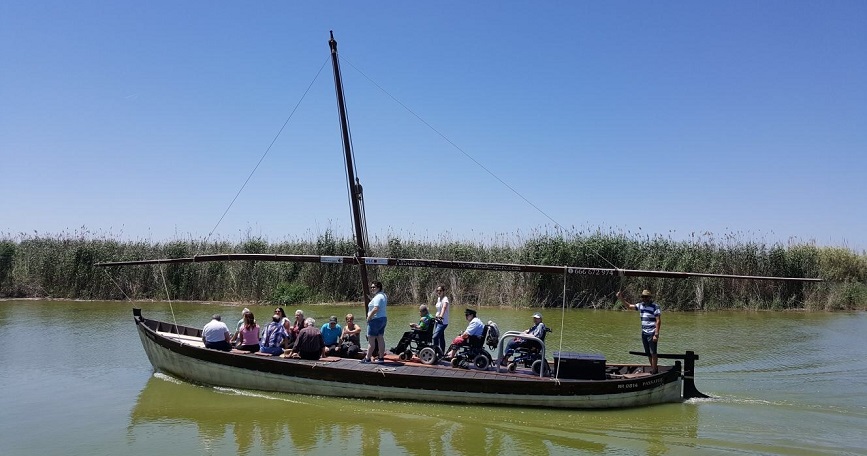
(142, 120)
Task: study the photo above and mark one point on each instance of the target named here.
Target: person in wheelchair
(420, 333)
(538, 330)
(475, 329)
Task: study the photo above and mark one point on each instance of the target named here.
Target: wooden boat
(179, 351)
(574, 381)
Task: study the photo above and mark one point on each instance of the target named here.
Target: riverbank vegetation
(62, 266)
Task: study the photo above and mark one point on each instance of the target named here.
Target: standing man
(216, 335)
(650, 324)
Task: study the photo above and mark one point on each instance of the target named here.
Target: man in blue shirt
(650, 324)
(272, 338)
(331, 335)
(537, 330)
(474, 329)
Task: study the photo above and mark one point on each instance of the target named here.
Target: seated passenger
(248, 334)
(424, 325)
(331, 332)
(309, 344)
(475, 329)
(235, 337)
(537, 331)
(296, 327)
(273, 337)
(350, 341)
(216, 335)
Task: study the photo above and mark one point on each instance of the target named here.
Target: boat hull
(395, 380)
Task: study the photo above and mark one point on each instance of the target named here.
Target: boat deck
(393, 364)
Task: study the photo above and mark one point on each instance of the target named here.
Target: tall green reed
(62, 266)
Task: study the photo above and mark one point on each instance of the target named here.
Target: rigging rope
(116, 284)
(268, 149)
(165, 285)
(562, 323)
(473, 159)
(169, 298)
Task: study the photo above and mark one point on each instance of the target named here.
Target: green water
(75, 380)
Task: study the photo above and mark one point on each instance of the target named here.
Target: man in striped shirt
(650, 324)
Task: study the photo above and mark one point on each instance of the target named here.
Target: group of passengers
(301, 338)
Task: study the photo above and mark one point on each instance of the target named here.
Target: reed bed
(62, 266)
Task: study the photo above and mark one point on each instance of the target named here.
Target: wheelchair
(418, 343)
(474, 350)
(528, 354)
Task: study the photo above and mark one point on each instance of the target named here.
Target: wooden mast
(353, 183)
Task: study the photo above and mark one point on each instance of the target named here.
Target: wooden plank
(447, 264)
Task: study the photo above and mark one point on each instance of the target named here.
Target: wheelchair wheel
(428, 355)
(456, 361)
(540, 365)
(402, 356)
(481, 362)
(407, 354)
(512, 367)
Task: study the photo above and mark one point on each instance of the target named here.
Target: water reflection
(786, 383)
(231, 421)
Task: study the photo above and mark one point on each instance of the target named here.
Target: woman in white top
(442, 317)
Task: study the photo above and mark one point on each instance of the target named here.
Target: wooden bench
(189, 340)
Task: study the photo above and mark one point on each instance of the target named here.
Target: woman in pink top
(249, 334)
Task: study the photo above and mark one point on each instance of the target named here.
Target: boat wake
(168, 378)
(260, 395)
(701, 400)
(229, 391)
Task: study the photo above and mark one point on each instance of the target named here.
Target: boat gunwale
(394, 374)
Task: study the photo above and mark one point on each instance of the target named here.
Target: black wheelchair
(474, 350)
(529, 354)
(418, 343)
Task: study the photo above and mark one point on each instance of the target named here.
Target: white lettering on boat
(655, 381)
(643, 384)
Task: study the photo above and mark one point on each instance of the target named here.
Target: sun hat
(646, 293)
(333, 319)
(537, 315)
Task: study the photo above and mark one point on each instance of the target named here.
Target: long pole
(354, 190)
